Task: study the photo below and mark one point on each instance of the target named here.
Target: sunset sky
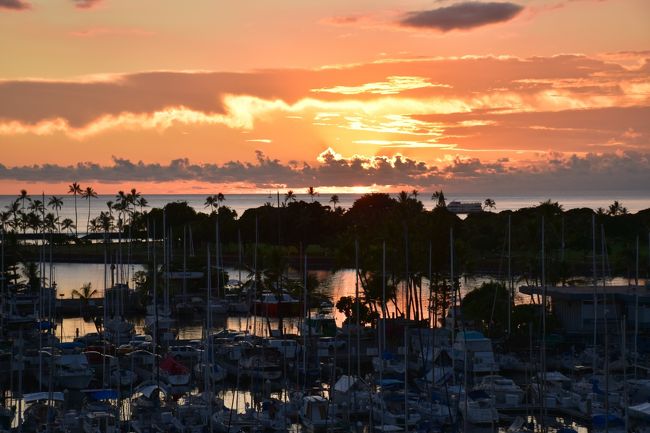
(204, 95)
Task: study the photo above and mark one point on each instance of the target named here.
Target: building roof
(618, 293)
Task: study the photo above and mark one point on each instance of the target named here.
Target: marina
(177, 345)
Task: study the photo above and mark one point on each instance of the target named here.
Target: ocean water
(240, 202)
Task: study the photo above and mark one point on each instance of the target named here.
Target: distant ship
(459, 207)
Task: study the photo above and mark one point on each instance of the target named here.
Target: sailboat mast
(165, 262)
(543, 352)
(453, 308)
(217, 255)
(255, 276)
(305, 321)
(155, 290)
(105, 308)
(184, 263)
(358, 306)
(606, 334)
(382, 334)
(595, 284)
(208, 328)
(636, 309)
(626, 402)
(510, 294)
(3, 275)
(239, 254)
(383, 289)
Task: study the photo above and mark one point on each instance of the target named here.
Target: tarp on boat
(388, 383)
(554, 376)
(102, 394)
(640, 411)
(148, 388)
(38, 396)
(345, 383)
(70, 345)
(469, 335)
(611, 420)
(44, 325)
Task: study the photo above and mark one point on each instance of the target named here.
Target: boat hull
(276, 309)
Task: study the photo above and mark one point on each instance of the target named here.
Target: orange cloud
(516, 106)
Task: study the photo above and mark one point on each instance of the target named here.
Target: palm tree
(121, 207)
(31, 273)
(415, 193)
(95, 225)
(23, 218)
(36, 206)
(550, 207)
(23, 197)
(440, 197)
(74, 188)
(289, 196)
(312, 192)
(489, 203)
(616, 208)
(142, 202)
(334, 200)
(133, 197)
(88, 193)
(402, 197)
(210, 202)
(50, 222)
(14, 208)
(105, 221)
(109, 205)
(5, 217)
(219, 198)
(68, 225)
(121, 198)
(33, 221)
(56, 203)
(84, 293)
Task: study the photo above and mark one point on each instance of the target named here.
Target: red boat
(272, 306)
(173, 372)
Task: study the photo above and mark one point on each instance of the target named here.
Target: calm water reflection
(71, 276)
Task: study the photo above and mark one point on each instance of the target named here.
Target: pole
(510, 294)
(595, 284)
(626, 403)
(305, 321)
(453, 308)
(356, 294)
(543, 354)
(406, 398)
(636, 311)
(382, 334)
(602, 253)
(155, 290)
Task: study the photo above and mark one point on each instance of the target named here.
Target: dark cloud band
(625, 171)
(466, 15)
(16, 5)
